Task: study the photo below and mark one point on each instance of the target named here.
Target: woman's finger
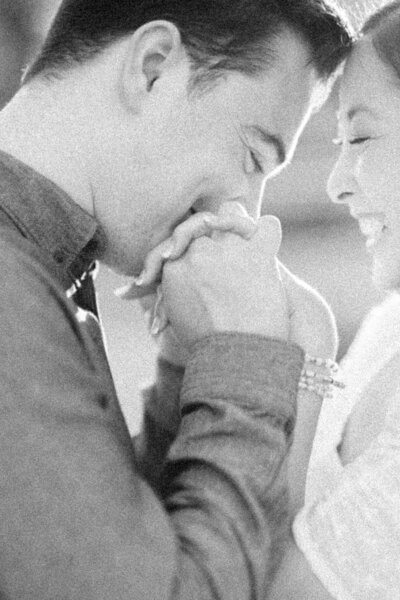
(153, 263)
(196, 226)
(232, 218)
(205, 223)
(172, 248)
(243, 226)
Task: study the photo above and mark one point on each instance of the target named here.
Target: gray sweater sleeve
(223, 479)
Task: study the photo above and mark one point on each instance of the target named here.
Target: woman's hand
(232, 217)
(312, 323)
(313, 327)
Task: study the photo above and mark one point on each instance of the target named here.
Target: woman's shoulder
(375, 342)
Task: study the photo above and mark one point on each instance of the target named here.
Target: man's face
(195, 151)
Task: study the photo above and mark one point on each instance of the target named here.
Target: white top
(349, 529)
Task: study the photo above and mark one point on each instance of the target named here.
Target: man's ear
(152, 52)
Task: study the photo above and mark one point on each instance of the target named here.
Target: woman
(348, 534)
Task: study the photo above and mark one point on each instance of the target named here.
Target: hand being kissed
(221, 273)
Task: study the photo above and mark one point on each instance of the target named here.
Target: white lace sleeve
(351, 537)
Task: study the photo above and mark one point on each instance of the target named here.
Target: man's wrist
(245, 369)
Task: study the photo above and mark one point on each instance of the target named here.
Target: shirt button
(59, 257)
(103, 401)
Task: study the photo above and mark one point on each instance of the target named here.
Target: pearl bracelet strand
(317, 376)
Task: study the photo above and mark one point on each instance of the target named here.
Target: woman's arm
(295, 579)
(308, 410)
(350, 537)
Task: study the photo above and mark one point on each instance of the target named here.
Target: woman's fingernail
(139, 280)
(155, 326)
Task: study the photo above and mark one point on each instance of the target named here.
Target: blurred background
(321, 242)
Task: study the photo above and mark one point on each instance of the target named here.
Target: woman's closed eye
(359, 140)
(353, 142)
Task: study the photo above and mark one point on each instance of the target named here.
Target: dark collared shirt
(44, 214)
(77, 520)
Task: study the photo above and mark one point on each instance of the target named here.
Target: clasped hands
(221, 273)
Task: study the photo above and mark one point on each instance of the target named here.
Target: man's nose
(248, 191)
(341, 184)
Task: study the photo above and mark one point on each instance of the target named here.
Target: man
(134, 116)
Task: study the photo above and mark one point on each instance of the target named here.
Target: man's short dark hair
(219, 35)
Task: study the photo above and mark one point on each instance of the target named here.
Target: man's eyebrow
(271, 139)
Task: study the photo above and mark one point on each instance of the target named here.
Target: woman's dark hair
(383, 29)
(219, 35)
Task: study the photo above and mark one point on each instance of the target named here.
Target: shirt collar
(46, 215)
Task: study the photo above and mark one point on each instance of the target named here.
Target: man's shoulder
(18, 252)
(35, 312)
(28, 278)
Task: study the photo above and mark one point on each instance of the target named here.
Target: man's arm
(161, 420)
(76, 518)
(228, 461)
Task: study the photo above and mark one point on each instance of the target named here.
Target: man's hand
(226, 283)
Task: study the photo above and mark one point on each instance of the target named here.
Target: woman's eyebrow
(359, 108)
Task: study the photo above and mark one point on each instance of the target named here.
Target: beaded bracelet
(317, 376)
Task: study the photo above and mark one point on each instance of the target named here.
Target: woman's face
(367, 173)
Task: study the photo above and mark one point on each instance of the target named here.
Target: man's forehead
(284, 107)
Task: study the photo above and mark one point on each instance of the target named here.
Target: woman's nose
(341, 184)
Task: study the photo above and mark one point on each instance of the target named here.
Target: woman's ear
(152, 52)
